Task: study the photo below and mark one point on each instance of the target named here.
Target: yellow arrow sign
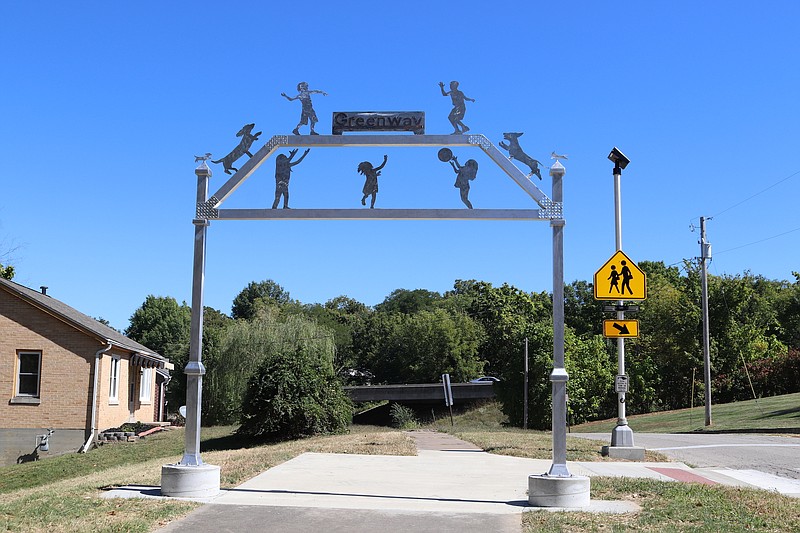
(620, 279)
(620, 328)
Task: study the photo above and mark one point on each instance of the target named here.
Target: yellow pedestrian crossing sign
(620, 279)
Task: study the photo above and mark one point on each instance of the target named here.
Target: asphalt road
(771, 454)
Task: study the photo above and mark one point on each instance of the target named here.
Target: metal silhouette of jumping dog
(244, 148)
(515, 152)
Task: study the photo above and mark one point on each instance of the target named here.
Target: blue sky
(105, 105)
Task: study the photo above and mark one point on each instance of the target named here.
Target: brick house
(63, 370)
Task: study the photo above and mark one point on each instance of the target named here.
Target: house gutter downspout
(98, 354)
(163, 400)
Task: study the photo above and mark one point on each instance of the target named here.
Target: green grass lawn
(485, 426)
(779, 413)
(63, 493)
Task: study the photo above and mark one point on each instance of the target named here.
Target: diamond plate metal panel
(551, 210)
(206, 210)
(275, 141)
(479, 140)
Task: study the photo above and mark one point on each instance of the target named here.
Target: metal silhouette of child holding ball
(464, 174)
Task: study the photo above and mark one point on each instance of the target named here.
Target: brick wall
(65, 367)
(115, 413)
(67, 364)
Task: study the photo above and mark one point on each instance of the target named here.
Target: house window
(28, 369)
(146, 384)
(113, 390)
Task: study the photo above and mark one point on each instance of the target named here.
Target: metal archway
(208, 208)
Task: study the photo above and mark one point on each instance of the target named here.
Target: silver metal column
(559, 375)
(194, 369)
(558, 488)
(191, 478)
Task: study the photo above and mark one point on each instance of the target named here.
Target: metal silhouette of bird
(555, 156)
(202, 157)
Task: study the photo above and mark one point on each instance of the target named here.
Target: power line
(756, 194)
(759, 241)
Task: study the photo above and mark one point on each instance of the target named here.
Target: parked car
(484, 379)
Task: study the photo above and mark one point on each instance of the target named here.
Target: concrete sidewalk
(461, 489)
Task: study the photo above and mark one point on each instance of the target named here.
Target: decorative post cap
(557, 169)
(202, 168)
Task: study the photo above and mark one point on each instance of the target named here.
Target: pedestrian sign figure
(283, 172)
(620, 279)
(614, 277)
(625, 272)
(307, 113)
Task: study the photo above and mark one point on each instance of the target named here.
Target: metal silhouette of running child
(465, 174)
(459, 107)
(614, 277)
(371, 183)
(283, 172)
(307, 113)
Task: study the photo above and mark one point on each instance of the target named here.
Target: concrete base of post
(556, 491)
(630, 453)
(622, 436)
(180, 481)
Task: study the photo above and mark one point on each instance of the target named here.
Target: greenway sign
(413, 121)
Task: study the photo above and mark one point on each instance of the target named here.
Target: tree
(161, 324)
(510, 390)
(744, 329)
(218, 405)
(591, 370)
(345, 317)
(164, 326)
(581, 311)
(294, 391)
(258, 294)
(419, 348)
(788, 311)
(6, 258)
(409, 301)
(506, 314)
(659, 363)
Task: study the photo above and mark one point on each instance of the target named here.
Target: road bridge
(420, 392)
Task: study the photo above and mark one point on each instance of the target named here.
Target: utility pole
(525, 391)
(705, 256)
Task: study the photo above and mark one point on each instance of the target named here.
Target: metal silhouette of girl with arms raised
(307, 113)
(459, 107)
(371, 183)
(283, 172)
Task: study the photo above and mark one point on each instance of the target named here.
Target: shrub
(403, 417)
(294, 392)
(771, 376)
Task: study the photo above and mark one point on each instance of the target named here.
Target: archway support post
(558, 488)
(191, 478)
